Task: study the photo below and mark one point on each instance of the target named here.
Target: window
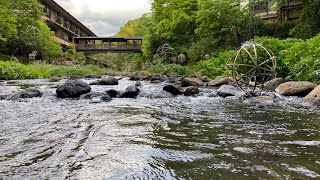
(261, 6)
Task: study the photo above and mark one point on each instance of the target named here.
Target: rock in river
(73, 89)
(314, 96)
(219, 82)
(131, 92)
(28, 93)
(191, 91)
(54, 79)
(91, 95)
(228, 90)
(109, 81)
(260, 100)
(186, 82)
(172, 89)
(113, 93)
(295, 88)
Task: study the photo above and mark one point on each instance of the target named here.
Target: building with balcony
(65, 26)
(270, 12)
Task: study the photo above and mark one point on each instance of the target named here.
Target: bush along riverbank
(10, 70)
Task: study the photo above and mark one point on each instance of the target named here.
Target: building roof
(68, 16)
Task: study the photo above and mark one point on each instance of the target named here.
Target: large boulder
(219, 82)
(314, 96)
(191, 91)
(28, 93)
(73, 89)
(295, 88)
(172, 89)
(228, 90)
(131, 92)
(186, 82)
(109, 81)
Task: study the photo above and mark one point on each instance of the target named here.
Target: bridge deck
(108, 44)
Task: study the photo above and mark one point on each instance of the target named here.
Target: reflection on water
(166, 138)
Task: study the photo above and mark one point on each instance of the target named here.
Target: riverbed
(203, 137)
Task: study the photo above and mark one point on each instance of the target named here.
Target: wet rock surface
(113, 93)
(131, 92)
(186, 82)
(191, 91)
(219, 82)
(172, 89)
(28, 93)
(314, 96)
(228, 90)
(73, 89)
(295, 88)
(109, 81)
(54, 79)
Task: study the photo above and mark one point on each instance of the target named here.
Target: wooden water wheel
(252, 67)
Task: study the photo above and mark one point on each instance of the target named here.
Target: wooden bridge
(95, 45)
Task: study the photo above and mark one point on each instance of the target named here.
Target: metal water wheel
(167, 53)
(252, 67)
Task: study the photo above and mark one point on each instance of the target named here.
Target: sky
(105, 17)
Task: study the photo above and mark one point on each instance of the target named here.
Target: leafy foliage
(170, 68)
(303, 60)
(221, 22)
(215, 66)
(12, 70)
(15, 17)
(276, 46)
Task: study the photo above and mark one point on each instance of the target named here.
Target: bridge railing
(110, 44)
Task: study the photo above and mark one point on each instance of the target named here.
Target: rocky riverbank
(163, 85)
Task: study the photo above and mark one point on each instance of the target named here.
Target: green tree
(45, 43)
(175, 22)
(222, 23)
(8, 21)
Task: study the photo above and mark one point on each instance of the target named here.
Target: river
(156, 138)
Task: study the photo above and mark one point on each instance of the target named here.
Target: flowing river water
(200, 137)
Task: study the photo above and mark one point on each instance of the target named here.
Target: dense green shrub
(12, 70)
(303, 60)
(215, 66)
(170, 68)
(276, 45)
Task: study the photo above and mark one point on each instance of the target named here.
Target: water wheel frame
(252, 67)
(167, 52)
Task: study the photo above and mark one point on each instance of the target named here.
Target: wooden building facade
(65, 26)
(268, 10)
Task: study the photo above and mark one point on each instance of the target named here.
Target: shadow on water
(166, 138)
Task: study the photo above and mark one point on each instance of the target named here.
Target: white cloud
(105, 17)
